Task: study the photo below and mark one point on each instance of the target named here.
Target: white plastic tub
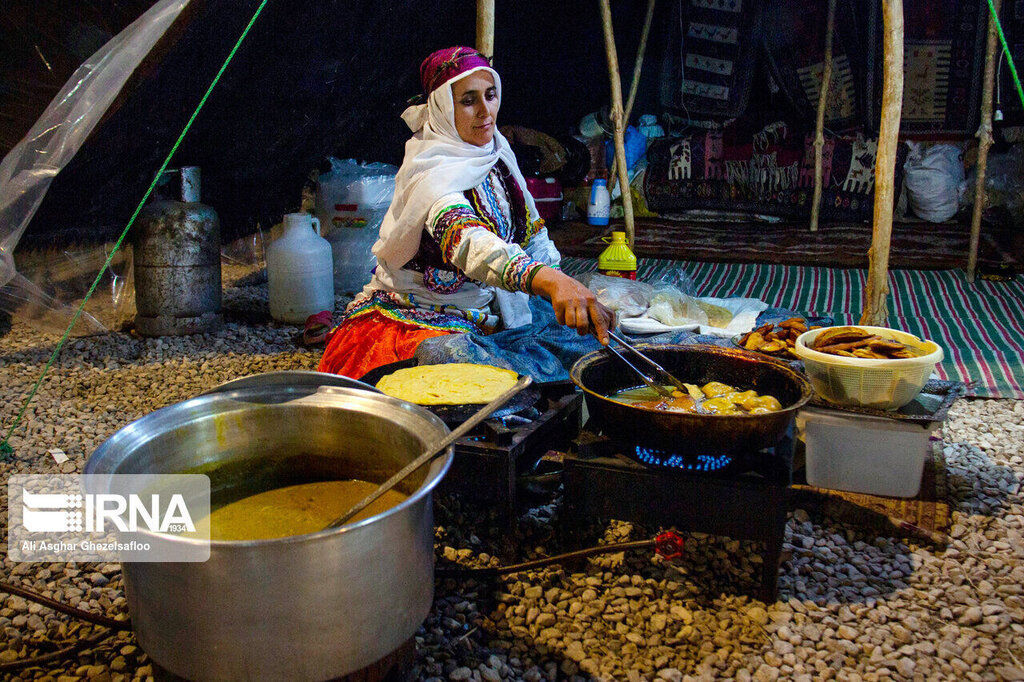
(863, 454)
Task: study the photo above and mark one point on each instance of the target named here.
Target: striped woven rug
(980, 326)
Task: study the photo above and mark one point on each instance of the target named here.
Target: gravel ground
(852, 606)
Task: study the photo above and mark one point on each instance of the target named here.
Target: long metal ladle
(432, 451)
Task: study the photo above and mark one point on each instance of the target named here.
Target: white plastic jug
(599, 208)
(300, 271)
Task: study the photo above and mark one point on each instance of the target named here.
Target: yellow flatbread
(451, 384)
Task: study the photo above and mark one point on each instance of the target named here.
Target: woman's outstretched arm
(575, 305)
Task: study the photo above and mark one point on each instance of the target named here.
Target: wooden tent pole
(617, 122)
(984, 136)
(639, 58)
(485, 28)
(875, 308)
(636, 79)
(819, 126)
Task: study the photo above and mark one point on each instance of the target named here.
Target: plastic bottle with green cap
(617, 260)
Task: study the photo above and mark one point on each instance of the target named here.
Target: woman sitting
(461, 248)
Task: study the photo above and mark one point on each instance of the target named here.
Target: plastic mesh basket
(881, 384)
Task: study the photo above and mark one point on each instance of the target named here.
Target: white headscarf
(438, 162)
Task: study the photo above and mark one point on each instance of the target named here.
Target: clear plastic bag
(668, 304)
(351, 201)
(627, 297)
(45, 294)
(725, 316)
(676, 278)
(352, 192)
(673, 308)
(1004, 183)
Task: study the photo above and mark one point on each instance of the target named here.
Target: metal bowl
(600, 374)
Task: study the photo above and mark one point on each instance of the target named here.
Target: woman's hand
(575, 305)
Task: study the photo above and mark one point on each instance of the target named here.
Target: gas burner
(682, 462)
(770, 462)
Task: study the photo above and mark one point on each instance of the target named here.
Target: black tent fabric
(313, 78)
(41, 45)
(330, 77)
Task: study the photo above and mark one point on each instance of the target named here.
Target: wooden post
(485, 28)
(618, 130)
(636, 79)
(641, 48)
(875, 308)
(984, 136)
(819, 126)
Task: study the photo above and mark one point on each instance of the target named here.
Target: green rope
(5, 446)
(1006, 51)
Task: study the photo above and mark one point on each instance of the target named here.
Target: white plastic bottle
(600, 203)
(300, 271)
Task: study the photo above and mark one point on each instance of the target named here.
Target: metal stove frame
(741, 502)
(489, 461)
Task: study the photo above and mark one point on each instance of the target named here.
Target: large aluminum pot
(313, 606)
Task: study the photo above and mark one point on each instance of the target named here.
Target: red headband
(443, 65)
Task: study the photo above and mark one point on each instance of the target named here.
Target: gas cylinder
(176, 249)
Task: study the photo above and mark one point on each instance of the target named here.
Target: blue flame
(673, 460)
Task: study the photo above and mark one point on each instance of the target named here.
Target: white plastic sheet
(29, 168)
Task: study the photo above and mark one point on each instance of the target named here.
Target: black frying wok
(456, 414)
(600, 374)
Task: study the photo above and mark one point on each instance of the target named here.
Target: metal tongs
(660, 377)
